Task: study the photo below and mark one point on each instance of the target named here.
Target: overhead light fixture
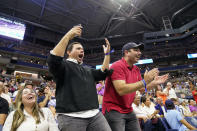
(167, 35)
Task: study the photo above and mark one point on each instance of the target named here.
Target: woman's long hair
(19, 116)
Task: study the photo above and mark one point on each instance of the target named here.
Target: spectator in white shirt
(138, 109)
(149, 108)
(28, 115)
(170, 91)
(145, 122)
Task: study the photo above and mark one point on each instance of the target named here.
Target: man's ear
(68, 53)
(126, 52)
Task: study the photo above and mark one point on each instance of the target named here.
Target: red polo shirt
(111, 99)
(195, 96)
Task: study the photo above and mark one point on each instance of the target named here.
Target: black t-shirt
(4, 106)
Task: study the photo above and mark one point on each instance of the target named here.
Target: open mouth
(30, 98)
(80, 56)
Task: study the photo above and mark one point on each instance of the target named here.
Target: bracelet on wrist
(144, 82)
(109, 52)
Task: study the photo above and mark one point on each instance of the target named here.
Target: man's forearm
(106, 62)
(60, 48)
(183, 121)
(122, 88)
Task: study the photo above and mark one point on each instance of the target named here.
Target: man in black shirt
(76, 97)
(4, 108)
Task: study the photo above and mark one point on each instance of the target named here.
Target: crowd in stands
(38, 100)
(161, 51)
(149, 106)
(151, 109)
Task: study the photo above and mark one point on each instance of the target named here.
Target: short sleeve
(179, 116)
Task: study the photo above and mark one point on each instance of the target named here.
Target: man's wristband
(144, 85)
(109, 52)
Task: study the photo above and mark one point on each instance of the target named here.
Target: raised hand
(106, 48)
(75, 31)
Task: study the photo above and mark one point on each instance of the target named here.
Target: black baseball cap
(131, 45)
(169, 104)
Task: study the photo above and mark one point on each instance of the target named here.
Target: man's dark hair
(170, 107)
(70, 46)
(169, 104)
(143, 99)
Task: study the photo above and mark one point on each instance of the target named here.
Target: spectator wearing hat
(44, 96)
(175, 119)
(121, 87)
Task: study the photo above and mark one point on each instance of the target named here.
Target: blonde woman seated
(28, 116)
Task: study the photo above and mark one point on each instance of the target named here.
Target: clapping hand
(159, 80)
(150, 75)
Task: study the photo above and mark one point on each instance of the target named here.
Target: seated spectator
(175, 119)
(4, 108)
(170, 91)
(160, 106)
(193, 107)
(152, 113)
(44, 96)
(161, 94)
(28, 115)
(176, 103)
(3, 95)
(185, 110)
(149, 107)
(145, 122)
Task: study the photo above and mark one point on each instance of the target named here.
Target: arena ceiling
(101, 17)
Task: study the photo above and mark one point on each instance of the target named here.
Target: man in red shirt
(194, 93)
(121, 87)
